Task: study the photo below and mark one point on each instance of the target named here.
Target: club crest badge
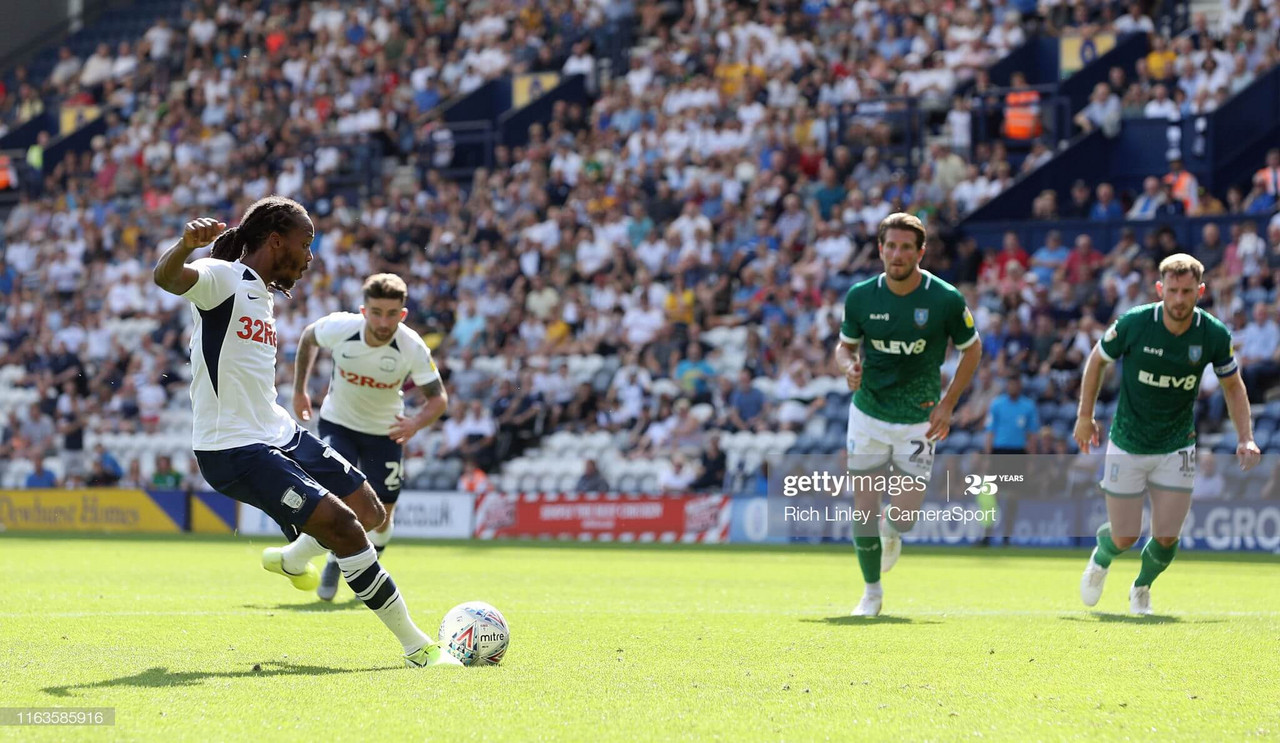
(1194, 353)
(922, 316)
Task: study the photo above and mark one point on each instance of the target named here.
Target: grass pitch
(638, 642)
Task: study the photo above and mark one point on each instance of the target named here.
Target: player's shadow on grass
(882, 619)
(1112, 618)
(315, 606)
(161, 677)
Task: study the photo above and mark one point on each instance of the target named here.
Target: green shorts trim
(1171, 489)
(1114, 494)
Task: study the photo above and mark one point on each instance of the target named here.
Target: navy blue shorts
(286, 482)
(382, 457)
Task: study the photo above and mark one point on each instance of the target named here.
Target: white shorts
(873, 443)
(1128, 475)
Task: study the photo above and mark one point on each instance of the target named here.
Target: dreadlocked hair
(264, 216)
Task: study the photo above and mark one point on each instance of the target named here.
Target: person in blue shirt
(1049, 258)
(746, 404)
(1011, 420)
(41, 477)
(1107, 207)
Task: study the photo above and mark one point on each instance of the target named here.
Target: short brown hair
(1181, 263)
(385, 286)
(902, 221)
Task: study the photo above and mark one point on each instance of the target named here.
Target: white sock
(379, 539)
(300, 552)
(874, 589)
(374, 587)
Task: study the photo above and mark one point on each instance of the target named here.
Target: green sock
(868, 557)
(1107, 549)
(1155, 558)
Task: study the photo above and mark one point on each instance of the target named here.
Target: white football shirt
(365, 393)
(233, 360)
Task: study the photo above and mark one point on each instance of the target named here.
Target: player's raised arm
(305, 359)
(171, 272)
(1233, 391)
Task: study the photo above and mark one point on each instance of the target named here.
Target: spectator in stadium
(1103, 112)
(1259, 353)
(133, 477)
(1106, 208)
(1021, 110)
(1161, 60)
(1183, 186)
(591, 480)
(473, 479)
(1266, 186)
(713, 467)
(166, 476)
(100, 477)
(1148, 202)
(1133, 21)
(677, 477)
(1080, 205)
(1161, 106)
(40, 477)
(1211, 250)
(746, 405)
(1079, 268)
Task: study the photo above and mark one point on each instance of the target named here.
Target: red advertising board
(603, 517)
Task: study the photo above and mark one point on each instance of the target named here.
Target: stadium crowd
(714, 184)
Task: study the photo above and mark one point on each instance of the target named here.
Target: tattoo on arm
(433, 389)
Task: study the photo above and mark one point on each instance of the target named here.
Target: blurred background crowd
(654, 281)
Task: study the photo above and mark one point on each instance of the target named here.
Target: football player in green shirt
(902, 321)
(1165, 346)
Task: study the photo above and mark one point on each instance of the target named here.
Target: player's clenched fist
(200, 232)
(853, 374)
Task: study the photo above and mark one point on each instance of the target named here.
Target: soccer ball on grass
(475, 633)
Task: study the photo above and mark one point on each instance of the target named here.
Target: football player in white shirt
(247, 446)
(362, 416)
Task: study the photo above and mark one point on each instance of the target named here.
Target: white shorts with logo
(1128, 475)
(872, 443)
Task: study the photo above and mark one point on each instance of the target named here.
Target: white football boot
(1140, 600)
(869, 606)
(1091, 583)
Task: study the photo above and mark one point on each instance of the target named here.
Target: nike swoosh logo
(345, 356)
(250, 296)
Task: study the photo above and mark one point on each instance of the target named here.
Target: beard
(898, 273)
